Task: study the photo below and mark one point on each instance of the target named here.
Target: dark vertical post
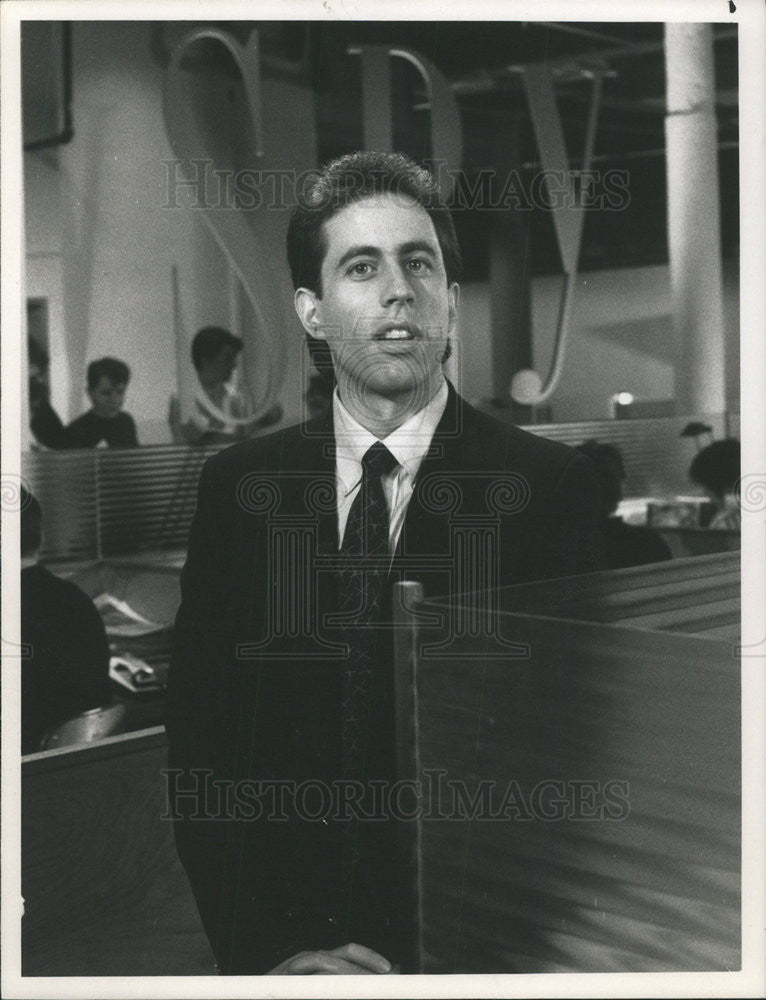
(407, 595)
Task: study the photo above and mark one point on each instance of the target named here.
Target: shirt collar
(408, 443)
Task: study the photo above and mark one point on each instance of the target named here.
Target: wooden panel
(685, 595)
(105, 894)
(641, 876)
(684, 542)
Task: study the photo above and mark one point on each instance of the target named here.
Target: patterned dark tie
(368, 848)
(364, 570)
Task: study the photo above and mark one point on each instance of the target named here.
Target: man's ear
(453, 293)
(305, 302)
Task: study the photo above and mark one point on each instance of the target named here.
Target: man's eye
(418, 264)
(361, 268)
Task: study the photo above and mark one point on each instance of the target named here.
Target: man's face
(107, 397)
(386, 310)
(221, 367)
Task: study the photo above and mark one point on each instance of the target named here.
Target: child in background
(105, 424)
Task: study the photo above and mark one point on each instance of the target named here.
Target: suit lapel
(426, 527)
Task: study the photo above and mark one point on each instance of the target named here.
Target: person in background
(65, 665)
(44, 422)
(105, 424)
(626, 544)
(222, 413)
(717, 469)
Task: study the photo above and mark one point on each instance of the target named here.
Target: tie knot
(378, 460)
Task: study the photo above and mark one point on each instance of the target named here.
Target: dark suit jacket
(254, 687)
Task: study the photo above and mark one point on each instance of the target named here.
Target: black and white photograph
(383, 499)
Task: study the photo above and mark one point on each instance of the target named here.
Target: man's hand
(348, 960)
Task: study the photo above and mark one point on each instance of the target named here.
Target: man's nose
(397, 287)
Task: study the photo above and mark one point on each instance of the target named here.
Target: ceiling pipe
(488, 80)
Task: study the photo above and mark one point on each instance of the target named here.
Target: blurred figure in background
(222, 413)
(66, 670)
(105, 424)
(44, 422)
(626, 544)
(717, 469)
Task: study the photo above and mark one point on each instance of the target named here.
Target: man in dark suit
(296, 541)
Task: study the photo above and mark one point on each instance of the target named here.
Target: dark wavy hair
(209, 342)
(349, 179)
(717, 467)
(113, 369)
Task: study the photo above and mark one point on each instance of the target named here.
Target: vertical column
(694, 239)
(508, 263)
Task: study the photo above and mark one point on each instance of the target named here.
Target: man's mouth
(397, 331)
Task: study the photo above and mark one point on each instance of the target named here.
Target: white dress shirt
(408, 444)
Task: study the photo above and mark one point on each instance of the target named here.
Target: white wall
(96, 234)
(101, 241)
(620, 339)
